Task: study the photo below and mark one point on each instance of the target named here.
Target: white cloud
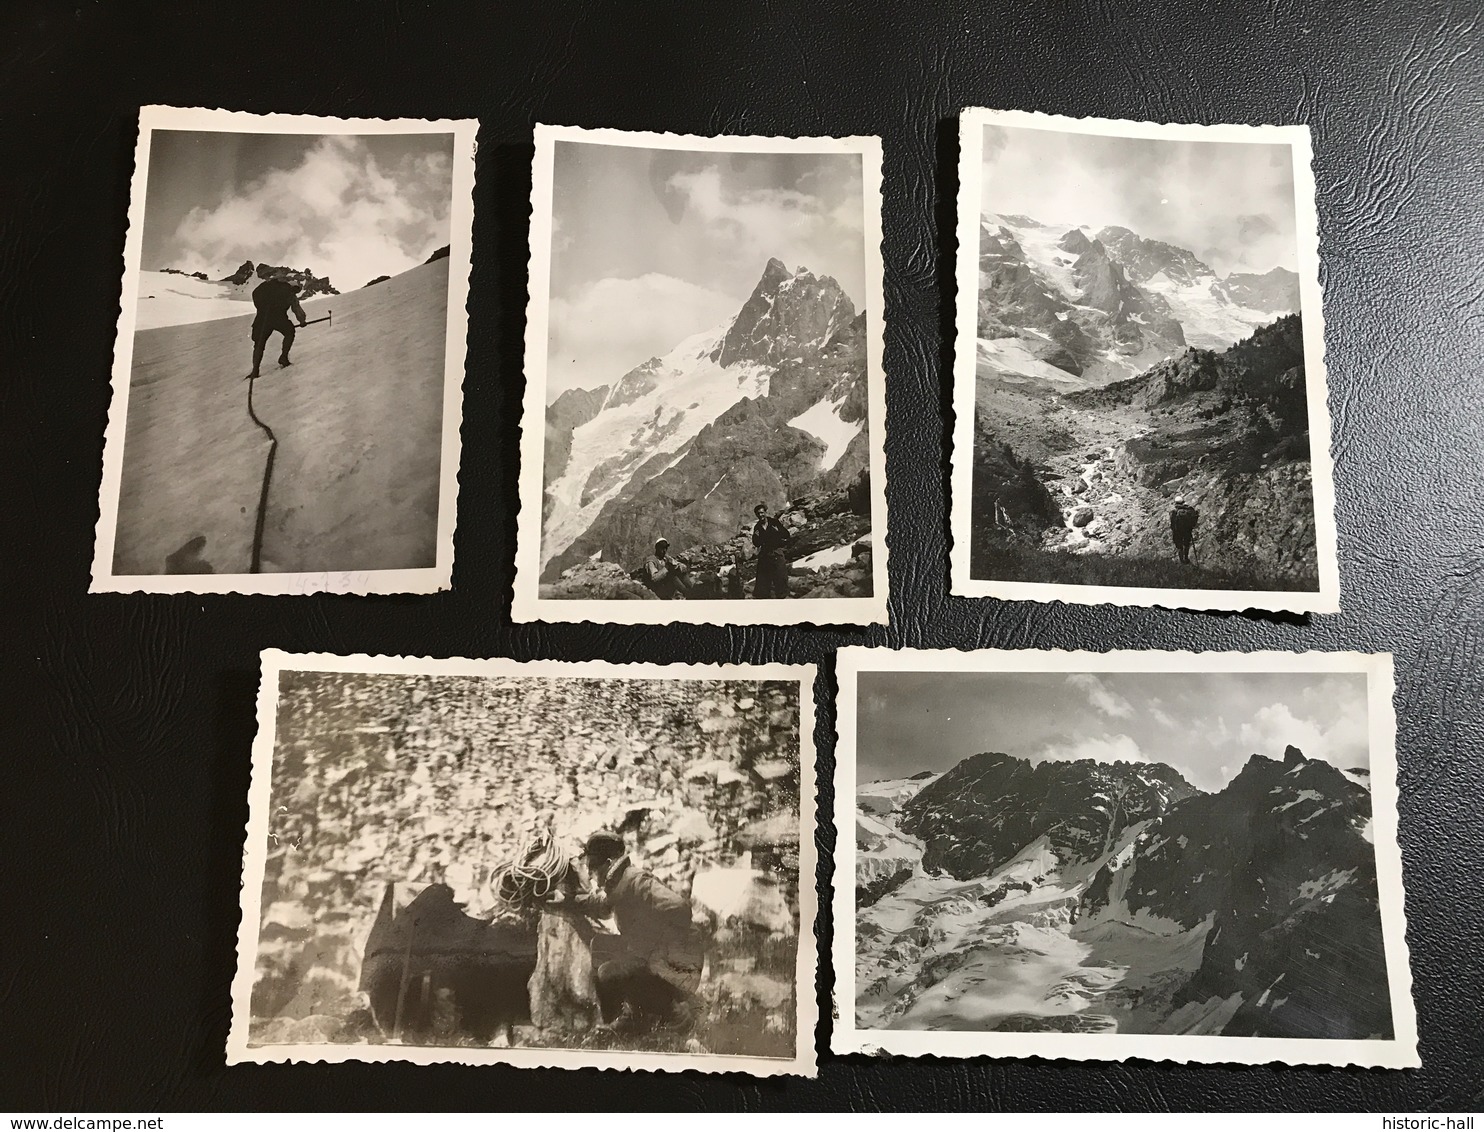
(1100, 696)
(338, 212)
(756, 224)
(1159, 715)
(609, 326)
(1344, 741)
(1103, 748)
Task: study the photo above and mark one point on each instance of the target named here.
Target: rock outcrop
(827, 521)
(304, 280)
(988, 808)
(1278, 864)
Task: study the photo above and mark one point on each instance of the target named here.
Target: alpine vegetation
(1136, 386)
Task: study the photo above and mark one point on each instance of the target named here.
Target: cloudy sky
(348, 206)
(1205, 725)
(1231, 203)
(650, 246)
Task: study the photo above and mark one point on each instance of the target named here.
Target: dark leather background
(127, 720)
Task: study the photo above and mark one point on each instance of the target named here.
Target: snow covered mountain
(762, 408)
(1069, 307)
(1099, 897)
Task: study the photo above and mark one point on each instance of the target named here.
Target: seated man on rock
(664, 574)
(655, 980)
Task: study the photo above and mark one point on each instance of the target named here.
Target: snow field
(167, 299)
(822, 421)
(654, 424)
(358, 418)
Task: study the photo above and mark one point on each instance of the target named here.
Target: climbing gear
(535, 871)
(312, 321)
(255, 565)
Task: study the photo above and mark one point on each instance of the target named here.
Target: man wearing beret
(660, 970)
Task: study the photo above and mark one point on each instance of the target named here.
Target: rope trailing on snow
(255, 566)
(537, 868)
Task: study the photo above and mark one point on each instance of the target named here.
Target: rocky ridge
(988, 808)
(303, 279)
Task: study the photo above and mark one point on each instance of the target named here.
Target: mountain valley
(1115, 372)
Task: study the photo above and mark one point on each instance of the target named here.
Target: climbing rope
(255, 566)
(537, 868)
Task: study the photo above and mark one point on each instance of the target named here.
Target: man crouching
(656, 978)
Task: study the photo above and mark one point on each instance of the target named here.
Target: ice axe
(328, 316)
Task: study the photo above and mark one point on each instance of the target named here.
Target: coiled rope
(537, 868)
(255, 566)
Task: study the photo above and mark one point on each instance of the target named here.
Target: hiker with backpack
(1183, 521)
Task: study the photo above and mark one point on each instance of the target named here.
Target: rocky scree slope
(1227, 430)
(830, 551)
(304, 280)
(770, 407)
(383, 779)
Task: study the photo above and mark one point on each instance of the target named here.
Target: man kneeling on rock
(656, 978)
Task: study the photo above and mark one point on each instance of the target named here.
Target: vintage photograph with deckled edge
(1172, 856)
(536, 864)
(702, 438)
(1139, 387)
(288, 369)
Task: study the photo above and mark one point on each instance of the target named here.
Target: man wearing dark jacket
(769, 537)
(274, 298)
(660, 970)
(1183, 520)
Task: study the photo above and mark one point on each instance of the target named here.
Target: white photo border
(527, 604)
(461, 223)
(1398, 1052)
(804, 1063)
(1311, 300)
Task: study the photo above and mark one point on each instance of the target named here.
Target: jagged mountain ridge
(1280, 865)
(984, 811)
(304, 280)
(1252, 910)
(762, 409)
(1057, 304)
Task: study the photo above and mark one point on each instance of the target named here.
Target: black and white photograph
(1173, 856)
(289, 363)
(1139, 379)
(705, 409)
(537, 864)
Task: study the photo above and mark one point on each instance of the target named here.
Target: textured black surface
(127, 720)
